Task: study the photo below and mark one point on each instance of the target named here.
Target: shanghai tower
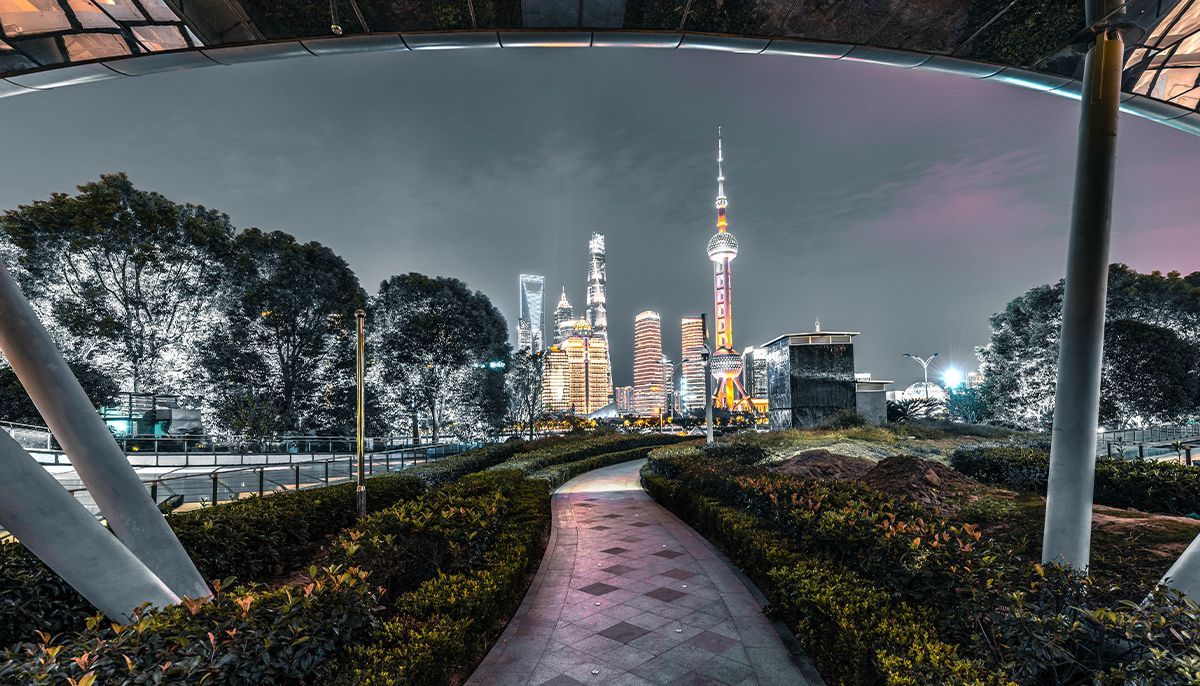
(597, 311)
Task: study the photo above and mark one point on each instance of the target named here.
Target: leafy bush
(254, 539)
(581, 448)
(1147, 485)
(261, 538)
(246, 636)
(947, 592)
(858, 632)
(444, 624)
(560, 474)
(32, 597)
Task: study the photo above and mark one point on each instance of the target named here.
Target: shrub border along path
(629, 594)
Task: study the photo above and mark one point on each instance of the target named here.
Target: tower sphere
(722, 246)
(726, 365)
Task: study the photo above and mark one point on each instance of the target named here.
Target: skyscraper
(597, 314)
(597, 308)
(649, 397)
(530, 329)
(691, 378)
(564, 317)
(576, 372)
(722, 248)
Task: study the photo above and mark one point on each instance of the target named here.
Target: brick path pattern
(629, 595)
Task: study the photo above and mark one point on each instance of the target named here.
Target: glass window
(90, 16)
(121, 10)
(155, 38)
(20, 17)
(94, 46)
(158, 10)
(1174, 82)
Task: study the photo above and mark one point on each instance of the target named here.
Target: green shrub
(262, 538)
(544, 456)
(246, 636)
(447, 622)
(560, 474)
(858, 632)
(32, 597)
(1147, 485)
(948, 592)
(448, 469)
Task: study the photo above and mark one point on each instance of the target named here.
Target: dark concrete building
(810, 378)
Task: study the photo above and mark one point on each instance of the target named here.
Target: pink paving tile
(647, 612)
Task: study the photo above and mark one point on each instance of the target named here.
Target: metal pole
(1069, 493)
(101, 464)
(361, 316)
(53, 525)
(708, 392)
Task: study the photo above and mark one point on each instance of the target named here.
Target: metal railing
(220, 485)
(1149, 442)
(29, 436)
(218, 452)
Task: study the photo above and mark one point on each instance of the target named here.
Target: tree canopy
(1152, 346)
(122, 276)
(443, 348)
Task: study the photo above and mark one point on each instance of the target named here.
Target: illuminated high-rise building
(649, 394)
(623, 397)
(691, 377)
(530, 329)
(575, 376)
(564, 317)
(726, 363)
(597, 307)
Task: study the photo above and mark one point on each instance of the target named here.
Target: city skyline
(367, 152)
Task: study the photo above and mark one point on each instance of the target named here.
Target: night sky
(905, 205)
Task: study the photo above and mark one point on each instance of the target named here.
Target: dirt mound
(823, 464)
(928, 482)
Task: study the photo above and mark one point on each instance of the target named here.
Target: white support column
(48, 521)
(1184, 575)
(89, 445)
(1068, 526)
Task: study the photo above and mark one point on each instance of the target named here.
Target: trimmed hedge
(445, 623)
(32, 597)
(253, 539)
(261, 538)
(1147, 485)
(246, 636)
(858, 632)
(883, 590)
(566, 451)
(395, 619)
(560, 474)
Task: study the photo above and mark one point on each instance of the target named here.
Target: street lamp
(361, 490)
(924, 362)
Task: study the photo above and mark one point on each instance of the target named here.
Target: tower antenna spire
(721, 201)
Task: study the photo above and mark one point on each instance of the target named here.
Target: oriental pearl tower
(722, 248)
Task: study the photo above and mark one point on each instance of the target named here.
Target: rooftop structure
(1037, 45)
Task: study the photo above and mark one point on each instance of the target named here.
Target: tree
(122, 276)
(283, 358)
(966, 405)
(1020, 362)
(446, 347)
(15, 405)
(525, 388)
(1149, 375)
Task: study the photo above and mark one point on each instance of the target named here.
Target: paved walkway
(628, 594)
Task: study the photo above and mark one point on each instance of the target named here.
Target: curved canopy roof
(1035, 43)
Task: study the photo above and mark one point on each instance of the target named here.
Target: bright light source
(952, 377)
